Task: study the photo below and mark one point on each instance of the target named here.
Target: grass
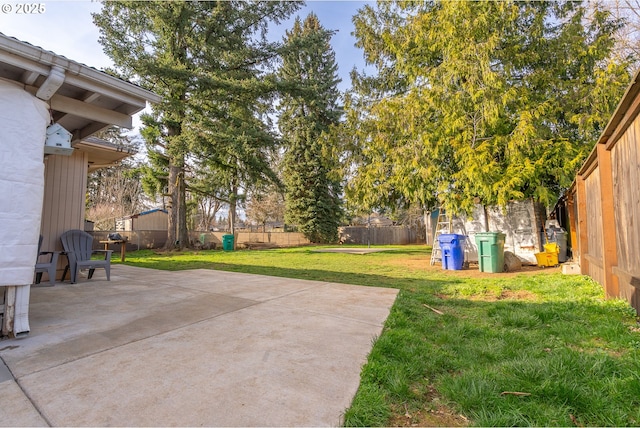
(539, 349)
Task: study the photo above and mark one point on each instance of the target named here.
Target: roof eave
(40, 60)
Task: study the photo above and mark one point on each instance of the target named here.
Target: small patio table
(123, 246)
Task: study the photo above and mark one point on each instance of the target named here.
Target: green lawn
(459, 348)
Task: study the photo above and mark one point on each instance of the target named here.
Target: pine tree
(312, 190)
(204, 58)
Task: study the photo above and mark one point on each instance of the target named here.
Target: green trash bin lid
(491, 236)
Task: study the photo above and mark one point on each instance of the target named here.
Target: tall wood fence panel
(604, 204)
(278, 239)
(625, 159)
(388, 235)
(154, 239)
(594, 231)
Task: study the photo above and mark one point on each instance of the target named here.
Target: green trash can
(227, 242)
(490, 251)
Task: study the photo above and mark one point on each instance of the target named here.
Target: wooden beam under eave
(89, 111)
(29, 77)
(91, 97)
(88, 131)
(609, 250)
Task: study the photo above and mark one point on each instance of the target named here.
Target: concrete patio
(190, 348)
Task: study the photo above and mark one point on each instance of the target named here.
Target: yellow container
(547, 258)
(551, 247)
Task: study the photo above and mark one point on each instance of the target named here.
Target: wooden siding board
(63, 207)
(624, 192)
(617, 156)
(633, 205)
(608, 222)
(581, 207)
(620, 205)
(596, 273)
(626, 181)
(594, 214)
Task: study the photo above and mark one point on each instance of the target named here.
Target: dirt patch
(439, 417)
(422, 263)
(492, 297)
(505, 295)
(517, 295)
(433, 414)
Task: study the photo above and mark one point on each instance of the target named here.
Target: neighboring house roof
(82, 99)
(145, 213)
(153, 211)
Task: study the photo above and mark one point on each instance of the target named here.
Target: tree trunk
(177, 234)
(427, 224)
(233, 198)
(172, 205)
(183, 232)
(486, 218)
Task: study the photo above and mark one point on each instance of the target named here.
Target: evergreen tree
(487, 101)
(198, 55)
(312, 190)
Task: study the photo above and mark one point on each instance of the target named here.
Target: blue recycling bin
(452, 250)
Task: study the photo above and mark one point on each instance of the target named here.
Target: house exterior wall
(23, 123)
(65, 187)
(156, 220)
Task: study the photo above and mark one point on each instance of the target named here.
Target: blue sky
(66, 28)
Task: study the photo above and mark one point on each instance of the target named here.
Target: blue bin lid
(450, 237)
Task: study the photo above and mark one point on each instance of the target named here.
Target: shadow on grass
(432, 286)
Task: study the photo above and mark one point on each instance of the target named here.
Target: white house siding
(23, 123)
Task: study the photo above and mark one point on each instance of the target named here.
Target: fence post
(609, 251)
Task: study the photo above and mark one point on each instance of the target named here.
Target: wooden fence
(387, 235)
(603, 205)
(149, 239)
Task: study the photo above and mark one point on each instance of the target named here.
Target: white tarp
(23, 123)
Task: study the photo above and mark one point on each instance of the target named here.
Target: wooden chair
(48, 266)
(77, 245)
